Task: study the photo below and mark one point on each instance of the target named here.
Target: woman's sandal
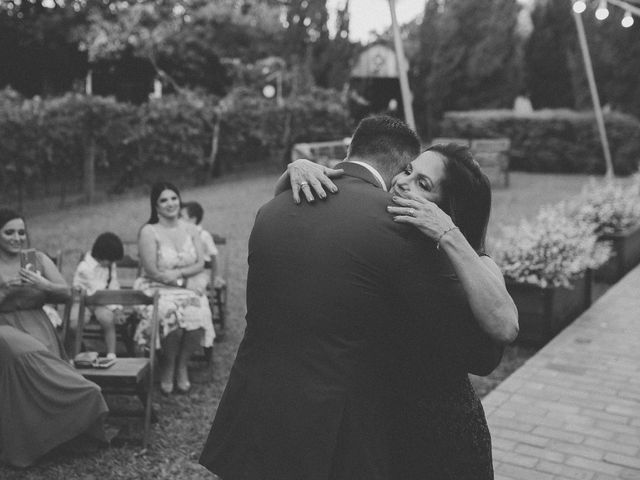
(184, 388)
(166, 388)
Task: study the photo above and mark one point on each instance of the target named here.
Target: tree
(186, 42)
(615, 53)
(474, 57)
(556, 72)
(420, 60)
(549, 53)
(39, 53)
(333, 56)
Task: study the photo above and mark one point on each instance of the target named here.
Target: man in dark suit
(327, 281)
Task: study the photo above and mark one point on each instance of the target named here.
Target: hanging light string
(602, 12)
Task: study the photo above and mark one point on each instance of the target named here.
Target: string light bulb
(602, 12)
(579, 6)
(627, 20)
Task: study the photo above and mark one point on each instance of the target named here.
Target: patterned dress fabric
(186, 308)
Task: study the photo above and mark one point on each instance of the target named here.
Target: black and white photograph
(319, 239)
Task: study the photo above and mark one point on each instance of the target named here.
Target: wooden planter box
(543, 312)
(626, 255)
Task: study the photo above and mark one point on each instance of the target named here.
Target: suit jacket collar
(358, 171)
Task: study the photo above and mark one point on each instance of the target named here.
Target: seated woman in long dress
(171, 255)
(44, 402)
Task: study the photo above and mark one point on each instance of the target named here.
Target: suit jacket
(327, 281)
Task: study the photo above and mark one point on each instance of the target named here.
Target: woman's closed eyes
(424, 182)
(12, 232)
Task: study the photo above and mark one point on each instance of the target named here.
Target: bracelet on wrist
(443, 234)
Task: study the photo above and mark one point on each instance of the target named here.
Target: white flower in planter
(608, 206)
(552, 250)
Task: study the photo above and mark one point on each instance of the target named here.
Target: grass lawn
(230, 207)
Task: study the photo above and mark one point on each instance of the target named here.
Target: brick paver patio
(573, 410)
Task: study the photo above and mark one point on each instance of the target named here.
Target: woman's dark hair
(6, 215)
(194, 210)
(156, 191)
(108, 246)
(466, 192)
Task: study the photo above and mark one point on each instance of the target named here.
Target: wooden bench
(324, 153)
(491, 153)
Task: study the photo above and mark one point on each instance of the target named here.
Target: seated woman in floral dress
(171, 255)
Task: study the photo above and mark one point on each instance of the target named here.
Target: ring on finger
(412, 212)
(304, 184)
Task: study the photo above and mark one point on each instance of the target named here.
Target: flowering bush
(552, 250)
(608, 207)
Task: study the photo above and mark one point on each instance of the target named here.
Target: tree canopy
(459, 64)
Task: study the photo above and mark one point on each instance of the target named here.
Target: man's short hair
(194, 210)
(387, 143)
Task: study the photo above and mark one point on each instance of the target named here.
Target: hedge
(78, 138)
(553, 140)
(255, 128)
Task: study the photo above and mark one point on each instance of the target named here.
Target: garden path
(573, 410)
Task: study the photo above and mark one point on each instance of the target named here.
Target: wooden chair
(458, 140)
(67, 260)
(66, 315)
(492, 154)
(323, 153)
(129, 375)
(129, 267)
(217, 294)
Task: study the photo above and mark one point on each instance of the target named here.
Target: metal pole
(88, 83)
(402, 72)
(627, 6)
(584, 47)
(279, 97)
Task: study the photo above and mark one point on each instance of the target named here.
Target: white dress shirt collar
(373, 171)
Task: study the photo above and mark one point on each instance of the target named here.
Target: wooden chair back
(129, 267)
(124, 297)
(127, 371)
(66, 316)
(492, 154)
(323, 153)
(217, 294)
(67, 261)
(445, 140)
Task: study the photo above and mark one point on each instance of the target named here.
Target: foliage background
(50, 143)
(214, 58)
(553, 140)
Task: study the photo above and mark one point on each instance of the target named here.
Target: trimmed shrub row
(553, 140)
(79, 137)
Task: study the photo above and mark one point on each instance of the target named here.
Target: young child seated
(192, 212)
(97, 271)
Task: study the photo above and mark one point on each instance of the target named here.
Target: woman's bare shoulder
(147, 230)
(43, 258)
